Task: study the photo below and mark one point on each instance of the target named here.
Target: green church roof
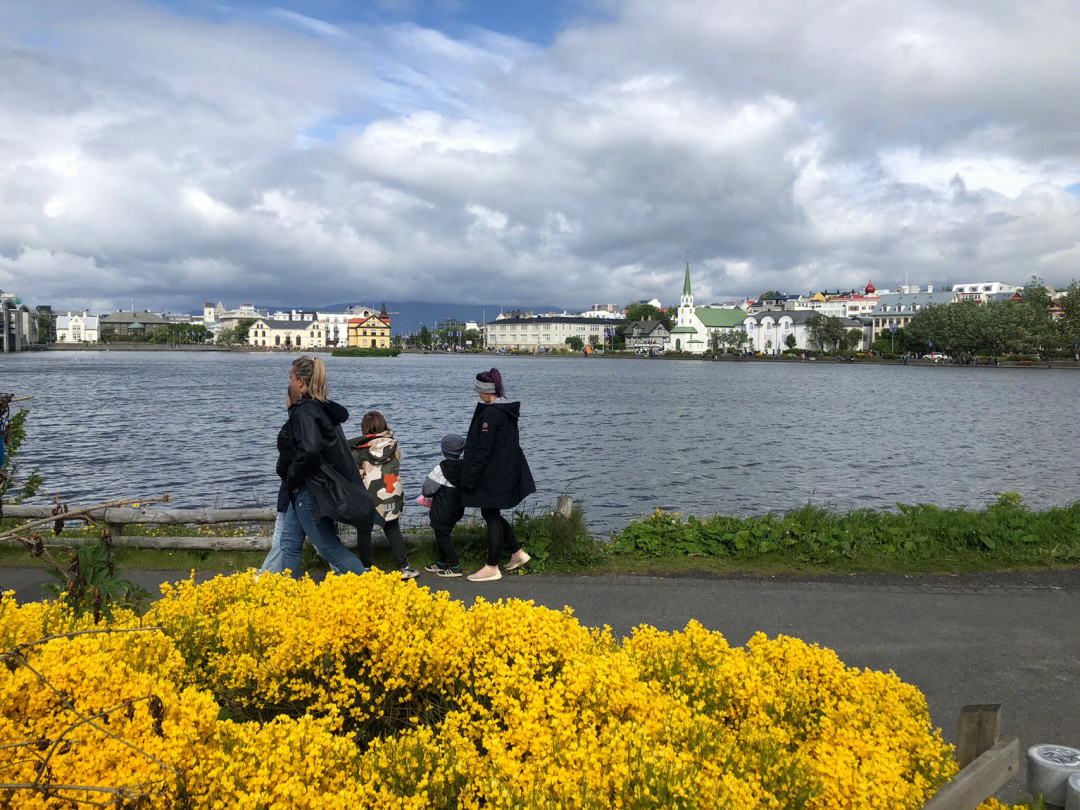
(720, 318)
(683, 330)
(686, 280)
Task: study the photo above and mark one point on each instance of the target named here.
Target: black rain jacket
(446, 506)
(495, 474)
(321, 461)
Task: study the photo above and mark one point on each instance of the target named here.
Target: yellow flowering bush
(366, 692)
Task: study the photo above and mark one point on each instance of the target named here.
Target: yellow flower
(365, 692)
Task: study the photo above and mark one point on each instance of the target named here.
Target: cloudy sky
(465, 151)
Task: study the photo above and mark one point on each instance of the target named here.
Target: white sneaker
(517, 559)
(489, 573)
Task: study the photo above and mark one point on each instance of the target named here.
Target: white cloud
(784, 144)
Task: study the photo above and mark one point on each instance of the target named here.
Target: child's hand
(423, 501)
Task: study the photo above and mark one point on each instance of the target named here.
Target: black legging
(498, 532)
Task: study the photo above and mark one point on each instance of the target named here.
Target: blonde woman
(323, 484)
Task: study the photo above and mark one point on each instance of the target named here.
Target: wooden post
(979, 731)
(979, 780)
(564, 506)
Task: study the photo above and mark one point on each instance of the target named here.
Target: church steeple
(686, 302)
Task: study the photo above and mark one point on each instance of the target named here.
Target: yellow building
(372, 332)
(287, 334)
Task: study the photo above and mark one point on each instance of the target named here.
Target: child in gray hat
(443, 488)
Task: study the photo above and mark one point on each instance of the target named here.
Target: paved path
(1012, 639)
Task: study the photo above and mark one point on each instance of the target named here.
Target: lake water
(624, 437)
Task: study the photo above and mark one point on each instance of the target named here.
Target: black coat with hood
(495, 474)
(321, 461)
(446, 506)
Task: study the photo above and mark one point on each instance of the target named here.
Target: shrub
(366, 352)
(369, 692)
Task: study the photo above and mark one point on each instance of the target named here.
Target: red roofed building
(372, 332)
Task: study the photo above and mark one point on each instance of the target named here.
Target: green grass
(812, 540)
(366, 352)
(920, 538)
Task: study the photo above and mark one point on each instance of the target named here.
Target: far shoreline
(1053, 363)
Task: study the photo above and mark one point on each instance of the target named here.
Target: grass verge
(919, 539)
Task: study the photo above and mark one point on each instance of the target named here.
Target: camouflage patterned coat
(379, 458)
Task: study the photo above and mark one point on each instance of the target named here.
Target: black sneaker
(450, 571)
(408, 572)
(433, 568)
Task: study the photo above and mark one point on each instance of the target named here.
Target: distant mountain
(407, 316)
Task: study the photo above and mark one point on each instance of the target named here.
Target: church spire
(686, 280)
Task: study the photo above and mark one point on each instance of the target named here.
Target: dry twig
(16, 656)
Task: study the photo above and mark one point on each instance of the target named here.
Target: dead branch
(85, 511)
(56, 744)
(67, 704)
(126, 792)
(18, 648)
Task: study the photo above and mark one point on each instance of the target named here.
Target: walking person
(274, 561)
(442, 489)
(495, 474)
(323, 484)
(377, 455)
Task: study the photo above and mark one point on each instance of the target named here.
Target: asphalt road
(1012, 639)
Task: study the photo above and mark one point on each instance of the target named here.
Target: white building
(602, 315)
(769, 331)
(336, 325)
(895, 310)
(547, 332)
(271, 333)
(216, 317)
(983, 291)
(851, 305)
(212, 313)
(694, 325)
(78, 328)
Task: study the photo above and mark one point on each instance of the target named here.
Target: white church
(694, 325)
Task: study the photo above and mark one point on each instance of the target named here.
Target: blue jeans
(302, 519)
(275, 558)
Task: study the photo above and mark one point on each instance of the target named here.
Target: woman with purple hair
(495, 474)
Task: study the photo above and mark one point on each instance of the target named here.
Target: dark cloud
(783, 144)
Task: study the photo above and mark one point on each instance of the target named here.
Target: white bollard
(564, 505)
(1072, 792)
(1049, 769)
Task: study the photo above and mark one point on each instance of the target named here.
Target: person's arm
(434, 481)
(482, 448)
(309, 444)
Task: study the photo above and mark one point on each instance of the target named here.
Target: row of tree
(1014, 327)
(172, 334)
(428, 338)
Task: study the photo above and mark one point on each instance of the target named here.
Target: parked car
(937, 357)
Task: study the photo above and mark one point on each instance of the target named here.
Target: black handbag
(343, 498)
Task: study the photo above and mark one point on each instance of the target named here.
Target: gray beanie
(452, 445)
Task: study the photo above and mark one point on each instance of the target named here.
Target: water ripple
(623, 436)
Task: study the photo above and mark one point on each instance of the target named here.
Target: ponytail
(312, 371)
(495, 378)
